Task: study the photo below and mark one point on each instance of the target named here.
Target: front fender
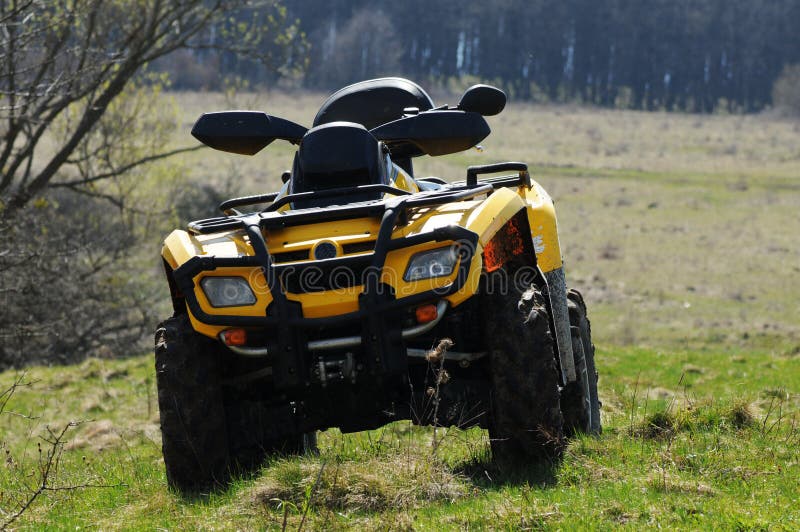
(486, 219)
(494, 213)
(503, 204)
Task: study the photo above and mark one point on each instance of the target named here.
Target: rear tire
(525, 422)
(579, 401)
(191, 408)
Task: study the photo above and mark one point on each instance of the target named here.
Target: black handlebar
(227, 205)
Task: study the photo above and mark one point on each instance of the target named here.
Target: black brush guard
(378, 307)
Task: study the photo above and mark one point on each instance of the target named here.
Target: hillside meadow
(681, 231)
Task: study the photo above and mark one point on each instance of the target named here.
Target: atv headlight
(227, 291)
(434, 263)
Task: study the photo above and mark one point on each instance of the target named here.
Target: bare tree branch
(75, 59)
(49, 461)
(126, 168)
(77, 132)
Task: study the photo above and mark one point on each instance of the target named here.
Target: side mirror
(483, 99)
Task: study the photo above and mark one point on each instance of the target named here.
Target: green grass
(680, 230)
(692, 439)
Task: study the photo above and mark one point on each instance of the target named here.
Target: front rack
(390, 210)
(271, 218)
(402, 200)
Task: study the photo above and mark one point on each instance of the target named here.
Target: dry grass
(746, 146)
(562, 136)
(679, 229)
(373, 484)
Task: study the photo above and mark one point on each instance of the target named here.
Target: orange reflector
(426, 313)
(234, 337)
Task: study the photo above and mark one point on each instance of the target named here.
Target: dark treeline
(692, 55)
(689, 55)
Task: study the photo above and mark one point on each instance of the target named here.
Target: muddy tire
(193, 429)
(579, 401)
(525, 422)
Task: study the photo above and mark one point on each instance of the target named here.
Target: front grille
(290, 256)
(324, 275)
(304, 254)
(358, 247)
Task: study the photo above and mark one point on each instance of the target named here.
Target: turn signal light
(234, 337)
(426, 313)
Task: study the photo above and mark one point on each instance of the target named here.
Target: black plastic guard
(381, 336)
(289, 363)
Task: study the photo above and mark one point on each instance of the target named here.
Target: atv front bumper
(290, 341)
(344, 341)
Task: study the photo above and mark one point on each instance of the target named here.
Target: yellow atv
(320, 308)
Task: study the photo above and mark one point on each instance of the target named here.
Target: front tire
(191, 408)
(525, 423)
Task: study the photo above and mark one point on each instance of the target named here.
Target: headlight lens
(227, 291)
(429, 264)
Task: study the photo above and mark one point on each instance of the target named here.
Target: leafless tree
(366, 47)
(80, 126)
(65, 62)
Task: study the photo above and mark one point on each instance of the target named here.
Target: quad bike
(319, 308)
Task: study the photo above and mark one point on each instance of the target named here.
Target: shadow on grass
(484, 473)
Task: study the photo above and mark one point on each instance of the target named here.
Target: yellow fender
(504, 203)
(491, 215)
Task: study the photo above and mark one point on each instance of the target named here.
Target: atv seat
(337, 155)
(373, 103)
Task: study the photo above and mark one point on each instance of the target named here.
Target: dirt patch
(98, 436)
(691, 369)
(658, 393)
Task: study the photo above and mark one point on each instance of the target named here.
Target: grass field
(681, 231)
(692, 440)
